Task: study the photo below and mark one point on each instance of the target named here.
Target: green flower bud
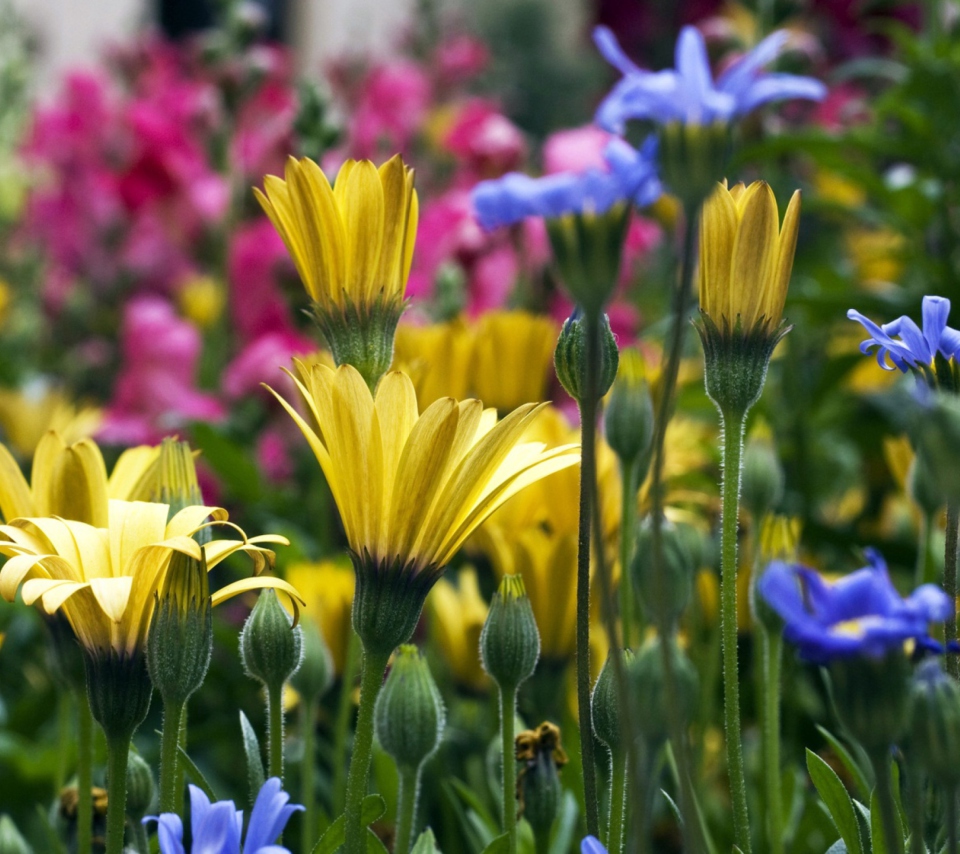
(677, 570)
(270, 645)
(509, 641)
(119, 691)
(540, 757)
(762, 479)
(315, 674)
(570, 357)
(648, 685)
(409, 714)
(180, 641)
(628, 421)
(872, 698)
(140, 787)
(923, 487)
(605, 703)
(693, 158)
(11, 840)
(933, 732)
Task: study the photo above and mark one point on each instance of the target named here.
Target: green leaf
(876, 827)
(837, 800)
(500, 845)
(846, 757)
(197, 775)
(473, 801)
(838, 847)
(251, 747)
(372, 808)
(566, 824)
(426, 844)
(375, 844)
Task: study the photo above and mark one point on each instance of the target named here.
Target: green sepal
(570, 356)
(693, 158)
(509, 640)
(119, 690)
(270, 645)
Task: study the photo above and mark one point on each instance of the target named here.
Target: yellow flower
(513, 358)
(412, 487)
(103, 580)
(746, 257)
(327, 589)
(70, 480)
(352, 243)
(201, 299)
(437, 358)
(877, 255)
(27, 414)
(457, 615)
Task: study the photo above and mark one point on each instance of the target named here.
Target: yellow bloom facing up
(457, 614)
(352, 245)
(103, 580)
(411, 487)
(746, 257)
(327, 589)
(27, 414)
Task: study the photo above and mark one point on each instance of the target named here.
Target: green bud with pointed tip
(646, 677)
(509, 640)
(140, 787)
(762, 475)
(605, 702)
(570, 356)
(628, 420)
(315, 674)
(270, 645)
(678, 569)
(11, 840)
(409, 714)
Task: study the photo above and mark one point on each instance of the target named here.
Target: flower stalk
(308, 788)
(406, 807)
(772, 657)
(880, 760)
(508, 715)
(618, 795)
(118, 746)
(169, 744)
(950, 584)
(84, 774)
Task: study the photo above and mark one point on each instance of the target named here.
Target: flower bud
(933, 733)
(315, 674)
(180, 641)
(409, 714)
(570, 357)
(693, 157)
(605, 703)
(648, 685)
(140, 787)
(11, 840)
(677, 571)
(509, 641)
(871, 696)
(762, 479)
(270, 645)
(540, 757)
(629, 418)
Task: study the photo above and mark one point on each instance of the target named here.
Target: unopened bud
(649, 687)
(606, 703)
(315, 674)
(667, 596)
(140, 787)
(270, 645)
(628, 420)
(509, 641)
(570, 357)
(762, 484)
(933, 734)
(540, 757)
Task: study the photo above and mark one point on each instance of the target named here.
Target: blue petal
(169, 832)
(611, 51)
(694, 68)
(915, 341)
(270, 815)
(199, 806)
(646, 95)
(217, 833)
(929, 603)
(934, 312)
(779, 87)
(743, 71)
(591, 845)
(779, 585)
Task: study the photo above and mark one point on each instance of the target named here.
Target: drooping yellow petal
(133, 525)
(112, 594)
(259, 583)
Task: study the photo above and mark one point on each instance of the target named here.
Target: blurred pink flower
(460, 58)
(261, 362)
(273, 454)
(492, 279)
(484, 140)
(845, 106)
(575, 150)
(393, 102)
(154, 394)
(256, 255)
(264, 134)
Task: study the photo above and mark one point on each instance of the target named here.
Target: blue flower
(912, 347)
(217, 827)
(689, 94)
(631, 175)
(862, 614)
(591, 845)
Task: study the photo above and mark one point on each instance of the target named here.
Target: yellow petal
(718, 229)
(755, 251)
(263, 581)
(77, 485)
(396, 405)
(15, 497)
(787, 249)
(134, 525)
(410, 235)
(17, 568)
(188, 520)
(52, 592)
(131, 469)
(397, 191)
(359, 196)
(322, 227)
(279, 207)
(112, 594)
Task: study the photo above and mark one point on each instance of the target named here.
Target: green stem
(618, 793)
(275, 729)
(508, 712)
(691, 821)
(118, 749)
(342, 725)
(921, 571)
(646, 786)
(628, 520)
(950, 584)
(140, 842)
(169, 742)
(772, 644)
(308, 791)
(406, 808)
(952, 820)
(181, 773)
(915, 790)
(886, 803)
(84, 774)
(372, 668)
(732, 427)
(541, 843)
(588, 424)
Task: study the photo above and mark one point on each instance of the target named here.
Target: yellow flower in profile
(327, 590)
(457, 614)
(746, 257)
(437, 357)
(70, 480)
(26, 414)
(513, 358)
(352, 245)
(103, 580)
(411, 487)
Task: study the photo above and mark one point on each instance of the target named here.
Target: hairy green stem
(691, 822)
(342, 724)
(308, 791)
(84, 774)
(915, 790)
(181, 773)
(406, 808)
(646, 793)
(923, 572)
(618, 794)
(772, 654)
(886, 803)
(732, 427)
(372, 668)
(170, 799)
(628, 521)
(508, 713)
(950, 584)
(118, 749)
(275, 730)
